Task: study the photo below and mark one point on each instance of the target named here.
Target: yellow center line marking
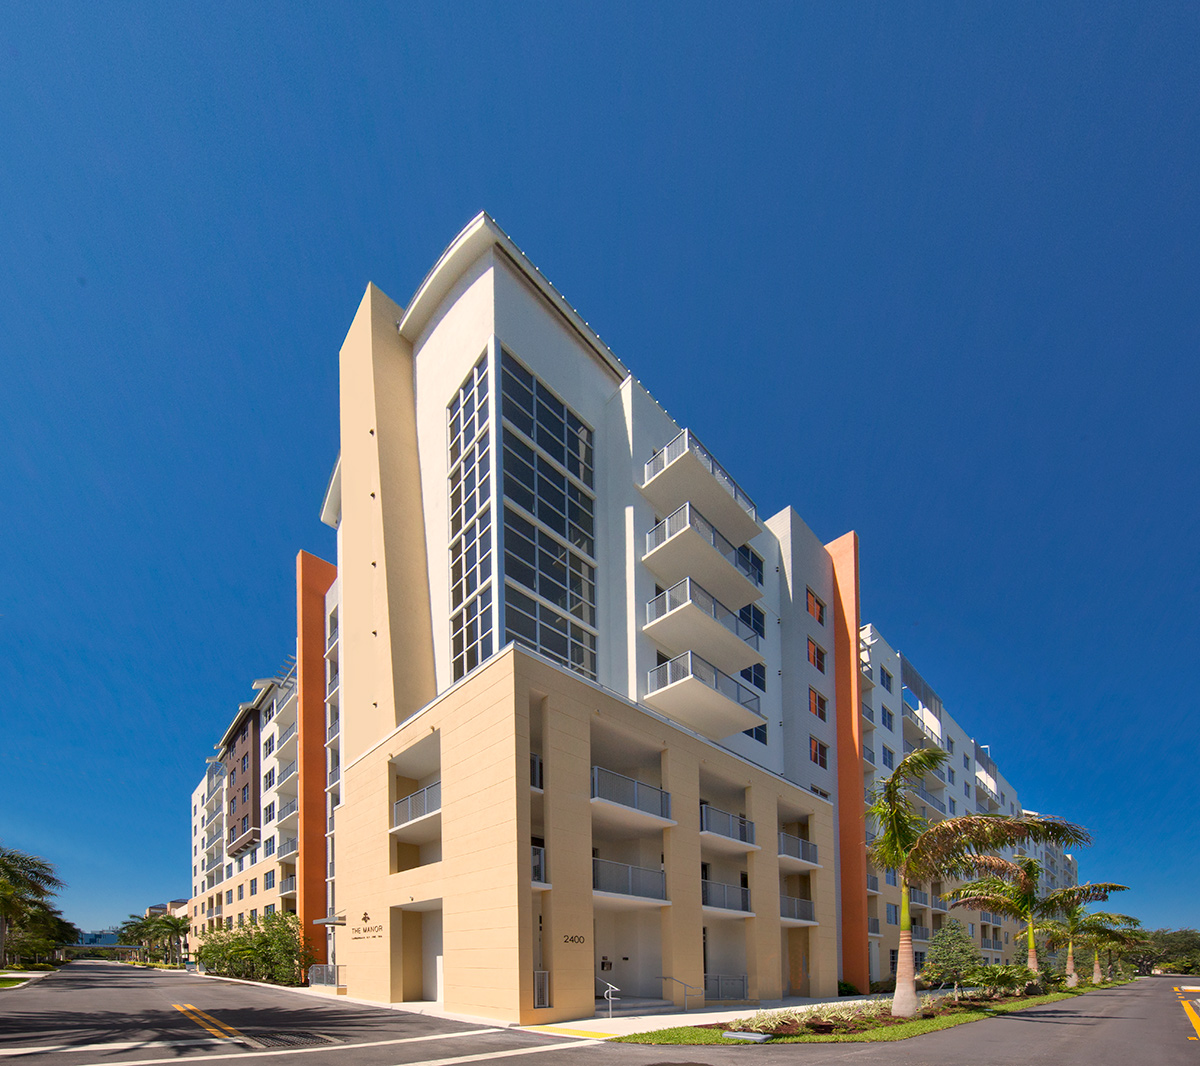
(208, 1017)
(1193, 1017)
(199, 1021)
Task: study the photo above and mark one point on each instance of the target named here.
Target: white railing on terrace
(617, 788)
(331, 687)
(725, 986)
(214, 863)
(286, 772)
(420, 803)
(332, 731)
(913, 717)
(687, 591)
(728, 897)
(687, 515)
(287, 847)
(541, 988)
(332, 638)
(626, 880)
(797, 847)
(797, 907)
(985, 788)
(539, 864)
(687, 442)
(288, 884)
(213, 816)
(725, 824)
(290, 807)
(335, 774)
(285, 736)
(689, 664)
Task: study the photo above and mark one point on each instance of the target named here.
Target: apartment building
(900, 711)
(585, 729)
(260, 813)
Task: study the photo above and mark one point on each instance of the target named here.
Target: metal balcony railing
(798, 908)
(985, 788)
(288, 847)
(536, 774)
(617, 788)
(417, 805)
(288, 884)
(872, 882)
(725, 824)
(689, 664)
(687, 591)
(324, 974)
(687, 442)
(921, 899)
(719, 986)
(290, 807)
(334, 727)
(727, 897)
(939, 904)
(625, 880)
(541, 988)
(285, 736)
(686, 516)
(214, 863)
(286, 772)
(539, 865)
(332, 638)
(797, 847)
(867, 712)
(335, 774)
(927, 796)
(873, 925)
(869, 754)
(217, 813)
(920, 932)
(332, 685)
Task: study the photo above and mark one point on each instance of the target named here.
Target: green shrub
(845, 988)
(274, 949)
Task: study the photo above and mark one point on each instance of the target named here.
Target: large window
(470, 523)
(816, 655)
(815, 607)
(549, 523)
(817, 704)
(818, 752)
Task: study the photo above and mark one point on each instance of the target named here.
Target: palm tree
(136, 930)
(24, 879)
(1013, 891)
(1077, 924)
(953, 848)
(1122, 934)
(173, 930)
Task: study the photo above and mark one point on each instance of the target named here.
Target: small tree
(952, 955)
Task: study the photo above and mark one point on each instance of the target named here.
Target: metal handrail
(334, 727)
(867, 712)
(926, 795)
(873, 882)
(679, 520)
(331, 687)
(285, 736)
(288, 884)
(797, 848)
(869, 754)
(290, 807)
(909, 713)
(285, 773)
(920, 932)
(921, 899)
(536, 771)
(625, 880)
(873, 925)
(617, 788)
(287, 847)
(417, 804)
(733, 826)
(727, 897)
(797, 907)
(688, 990)
(688, 591)
(539, 865)
(610, 996)
(689, 664)
(686, 442)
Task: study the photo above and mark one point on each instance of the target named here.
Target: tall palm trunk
(1072, 977)
(1031, 961)
(904, 1000)
(1097, 976)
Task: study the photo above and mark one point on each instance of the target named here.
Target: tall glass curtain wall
(470, 522)
(549, 522)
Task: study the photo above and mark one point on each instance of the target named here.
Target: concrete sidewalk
(624, 1024)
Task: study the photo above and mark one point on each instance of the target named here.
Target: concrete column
(682, 944)
(763, 932)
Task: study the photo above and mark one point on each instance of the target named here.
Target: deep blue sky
(927, 272)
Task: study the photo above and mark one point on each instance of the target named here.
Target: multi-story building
(588, 719)
(260, 814)
(900, 712)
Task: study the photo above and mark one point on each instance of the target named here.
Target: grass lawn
(9, 982)
(688, 1034)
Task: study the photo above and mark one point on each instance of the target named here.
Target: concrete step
(634, 1005)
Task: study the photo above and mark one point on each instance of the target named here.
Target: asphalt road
(102, 1014)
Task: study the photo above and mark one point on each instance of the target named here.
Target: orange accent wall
(313, 578)
(851, 826)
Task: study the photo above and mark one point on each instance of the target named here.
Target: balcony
(696, 694)
(927, 796)
(939, 904)
(873, 927)
(686, 544)
(287, 847)
(285, 773)
(872, 885)
(335, 774)
(287, 886)
(536, 772)
(869, 754)
(987, 790)
(867, 712)
(715, 896)
(793, 910)
(685, 470)
(796, 853)
(215, 816)
(622, 804)
(618, 885)
(332, 685)
(331, 640)
(287, 735)
(214, 863)
(917, 725)
(417, 818)
(686, 617)
(538, 874)
(920, 932)
(288, 809)
(721, 831)
(918, 898)
(334, 728)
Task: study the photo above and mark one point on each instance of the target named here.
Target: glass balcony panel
(695, 693)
